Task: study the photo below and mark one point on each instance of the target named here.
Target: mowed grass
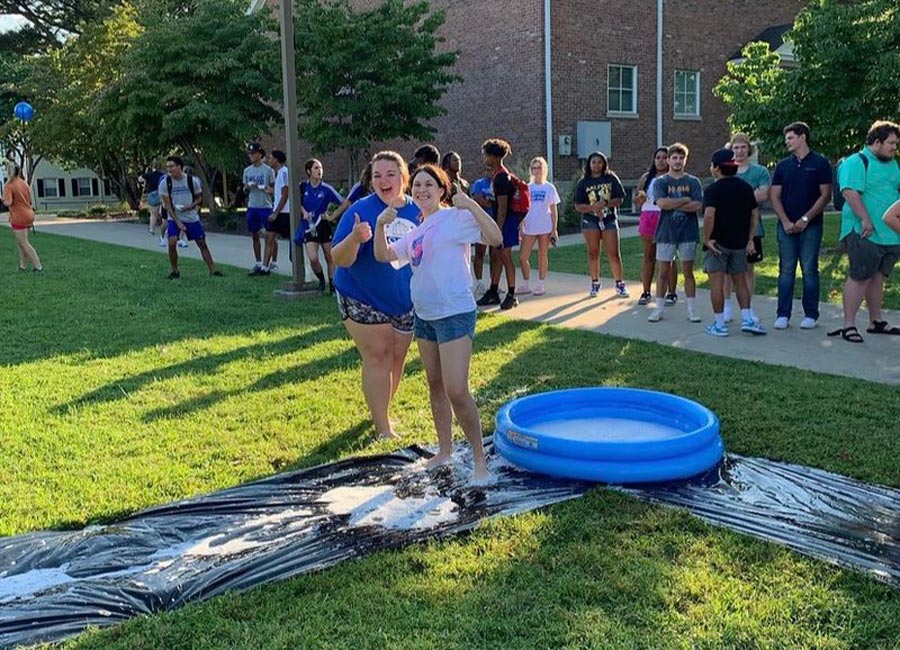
(120, 390)
(833, 265)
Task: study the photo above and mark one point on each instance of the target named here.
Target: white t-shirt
(438, 250)
(281, 180)
(538, 221)
(650, 203)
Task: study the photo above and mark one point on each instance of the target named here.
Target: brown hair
(496, 147)
(397, 159)
(798, 128)
(440, 177)
(742, 137)
(678, 148)
(881, 131)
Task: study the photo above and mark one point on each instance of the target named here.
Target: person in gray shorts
(730, 219)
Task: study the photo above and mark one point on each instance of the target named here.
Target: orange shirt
(17, 195)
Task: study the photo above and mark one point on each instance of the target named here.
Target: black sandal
(881, 327)
(850, 334)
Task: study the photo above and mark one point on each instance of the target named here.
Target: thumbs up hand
(387, 216)
(362, 231)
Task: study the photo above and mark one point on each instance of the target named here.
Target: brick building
(605, 84)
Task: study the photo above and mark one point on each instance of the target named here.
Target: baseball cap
(255, 147)
(723, 158)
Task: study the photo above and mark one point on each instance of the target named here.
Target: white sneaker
(478, 288)
(752, 326)
(781, 323)
(182, 243)
(693, 317)
(538, 289)
(655, 315)
(273, 267)
(808, 323)
(523, 288)
(163, 243)
(728, 315)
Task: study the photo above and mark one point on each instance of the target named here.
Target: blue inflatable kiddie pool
(609, 435)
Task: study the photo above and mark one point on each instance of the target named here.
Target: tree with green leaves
(847, 76)
(370, 75)
(200, 78)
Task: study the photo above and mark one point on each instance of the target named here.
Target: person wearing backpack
(510, 204)
(181, 194)
(598, 196)
(870, 184)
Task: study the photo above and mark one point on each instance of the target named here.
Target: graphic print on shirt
(417, 250)
(601, 192)
(394, 232)
(538, 196)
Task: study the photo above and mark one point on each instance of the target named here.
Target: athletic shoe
(539, 289)
(621, 290)
(752, 326)
(782, 322)
(509, 302)
(273, 267)
(655, 315)
(163, 243)
(808, 323)
(174, 275)
(490, 297)
(693, 317)
(522, 289)
(217, 273)
(645, 298)
(256, 270)
(717, 330)
(182, 243)
(478, 288)
(595, 289)
(728, 315)
(671, 298)
(322, 285)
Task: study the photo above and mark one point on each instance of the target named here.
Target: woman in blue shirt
(315, 197)
(374, 298)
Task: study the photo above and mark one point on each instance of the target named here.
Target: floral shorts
(365, 314)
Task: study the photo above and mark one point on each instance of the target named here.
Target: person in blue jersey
(482, 190)
(362, 187)
(374, 298)
(445, 311)
(315, 198)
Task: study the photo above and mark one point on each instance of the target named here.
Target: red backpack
(520, 201)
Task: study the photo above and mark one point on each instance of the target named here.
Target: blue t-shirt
(483, 188)
(356, 193)
(372, 282)
(800, 181)
(677, 226)
(316, 200)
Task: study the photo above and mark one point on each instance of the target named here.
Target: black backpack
(837, 197)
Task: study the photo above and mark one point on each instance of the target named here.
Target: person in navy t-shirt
(373, 297)
(315, 197)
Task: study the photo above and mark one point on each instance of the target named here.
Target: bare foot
(481, 476)
(388, 435)
(439, 460)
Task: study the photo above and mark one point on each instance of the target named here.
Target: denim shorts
(194, 230)
(444, 330)
(592, 222)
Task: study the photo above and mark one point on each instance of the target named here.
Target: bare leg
(648, 263)
(717, 292)
(525, 255)
(441, 410)
(496, 266)
(455, 356)
(271, 248)
(690, 284)
(673, 278)
(26, 249)
(875, 297)
(478, 261)
(173, 253)
(257, 247)
(662, 281)
(401, 342)
(854, 292)
(206, 255)
(312, 251)
(326, 250)
(543, 256)
(504, 256)
(592, 240)
(611, 248)
(742, 289)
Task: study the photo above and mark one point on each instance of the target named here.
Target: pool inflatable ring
(609, 435)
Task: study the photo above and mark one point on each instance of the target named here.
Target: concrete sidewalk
(567, 304)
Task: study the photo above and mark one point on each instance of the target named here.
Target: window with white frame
(84, 187)
(622, 89)
(687, 93)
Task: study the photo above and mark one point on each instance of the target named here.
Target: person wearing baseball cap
(259, 183)
(730, 218)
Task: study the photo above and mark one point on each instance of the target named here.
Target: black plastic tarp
(55, 584)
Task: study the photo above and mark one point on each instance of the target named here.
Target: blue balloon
(24, 111)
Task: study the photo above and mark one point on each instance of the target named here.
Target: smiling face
(741, 152)
(174, 170)
(387, 180)
(538, 172)
(426, 192)
(598, 166)
(661, 160)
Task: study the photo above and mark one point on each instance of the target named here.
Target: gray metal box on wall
(593, 136)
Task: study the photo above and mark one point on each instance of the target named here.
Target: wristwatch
(804, 219)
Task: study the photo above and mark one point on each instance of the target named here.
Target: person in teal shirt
(870, 183)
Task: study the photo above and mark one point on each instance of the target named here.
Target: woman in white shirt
(538, 226)
(439, 252)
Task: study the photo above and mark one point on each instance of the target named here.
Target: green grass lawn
(832, 265)
(120, 390)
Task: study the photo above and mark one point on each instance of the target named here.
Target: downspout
(659, 73)
(548, 89)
